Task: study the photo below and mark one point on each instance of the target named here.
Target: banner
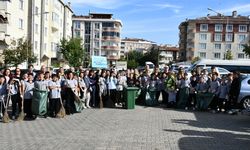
(121, 65)
(99, 62)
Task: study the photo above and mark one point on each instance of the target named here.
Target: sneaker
(186, 108)
(1, 115)
(213, 111)
(13, 117)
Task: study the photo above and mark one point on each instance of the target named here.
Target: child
(223, 94)
(28, 93)
(55, 95)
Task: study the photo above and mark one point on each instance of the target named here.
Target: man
(234, 92)
(31, 70)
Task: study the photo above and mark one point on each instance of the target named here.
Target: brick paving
(144, 128)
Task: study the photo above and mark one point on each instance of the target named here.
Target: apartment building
(43, 22)
(211, 37)
(130, 44)
(100, 34)
(13, 22)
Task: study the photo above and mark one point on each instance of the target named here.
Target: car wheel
(246, 103)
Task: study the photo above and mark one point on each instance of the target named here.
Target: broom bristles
(61, 113)
(6, 118)
(21, 116)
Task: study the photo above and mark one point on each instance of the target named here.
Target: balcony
(4, 16)
(111, 29)
(111, 38)
(111, 48)
(111, 57)
(54, 26)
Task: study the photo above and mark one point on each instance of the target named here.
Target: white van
(241, 65)
(150, 65)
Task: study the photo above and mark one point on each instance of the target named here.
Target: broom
(61, 113)
(6, 118)
(21, 115)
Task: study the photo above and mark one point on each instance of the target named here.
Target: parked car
(221, 71)
(244, 96)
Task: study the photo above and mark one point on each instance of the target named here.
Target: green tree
(134, 58)
(197, 58)
(72, 51)
(228, 55)
(246, 49)
(152, 55)
(17, 54)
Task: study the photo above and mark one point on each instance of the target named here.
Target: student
(28, 93)
(223, 94)
(14, 87)
(71, 88)
(103, 86)
(3, 95)
(82, 89)
(214, 89)
(55, 95)
(112, 82)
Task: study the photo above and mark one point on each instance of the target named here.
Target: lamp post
(226, 30)
(33, 33)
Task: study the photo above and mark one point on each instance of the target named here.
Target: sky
(157, 20)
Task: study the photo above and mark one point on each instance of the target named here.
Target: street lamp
(220, 14)
(33, 33)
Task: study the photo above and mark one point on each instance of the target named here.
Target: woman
(102, 88)
(88, 88)
(7, 75)
(71, 88)
(82, 88)
(111, 81)
(121, 83)
(93, 82)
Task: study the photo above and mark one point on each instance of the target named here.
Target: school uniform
(70, 89)
(3, 97)
(223, 95)
(183, 93)
(54, 97)
(15, 96)
(121, 83)
(88, 90)
(214, 89)
(112, 81)
(28, 93)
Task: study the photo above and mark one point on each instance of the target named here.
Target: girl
(55, 95)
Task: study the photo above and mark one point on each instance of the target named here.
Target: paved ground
(143, 128)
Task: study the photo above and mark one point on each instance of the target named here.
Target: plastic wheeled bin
(130, 94)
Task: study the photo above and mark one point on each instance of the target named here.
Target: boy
(55, 95)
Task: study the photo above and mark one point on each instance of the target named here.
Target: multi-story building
(13, 22)
(100, 34)
(43, 22)
(167, 53)
(130, 44)
(212, 36)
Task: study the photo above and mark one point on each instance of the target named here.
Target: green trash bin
(130, 94)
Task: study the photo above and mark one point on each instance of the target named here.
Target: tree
(152, 55)
(15, 55)
(197, 58)
(246, 49)
(228, 55)
(134, 58)
(72, 51)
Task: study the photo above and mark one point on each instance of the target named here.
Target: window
(36, 28)
(218, 28)
(53, 46)
(36, 11)
(97, 35)
(217, 37)
(242, 37)
(228, 46)
(45, 31)
(97, 44)
(97, 26)
(217, 46)
(202, 55)
(21, 4)
(217, 55)
(229, 37)
(229, 28)
(242, 28)
(77, 33)
(202, 45)
(20, 25)
(55, 17)
(107, 24)
(204, 27)
(203, 36)
(240, 47)
(241, 55)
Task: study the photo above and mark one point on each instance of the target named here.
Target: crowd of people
(104, 88)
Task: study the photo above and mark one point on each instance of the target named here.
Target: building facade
(167, 54)
(130, 44)
(212, 36)
(43, 22)
(100, 34)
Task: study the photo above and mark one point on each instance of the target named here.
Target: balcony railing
(111, 48)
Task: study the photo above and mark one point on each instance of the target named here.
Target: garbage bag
(183, 98)
(39, 102)
(203, 100)
(150, 99)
